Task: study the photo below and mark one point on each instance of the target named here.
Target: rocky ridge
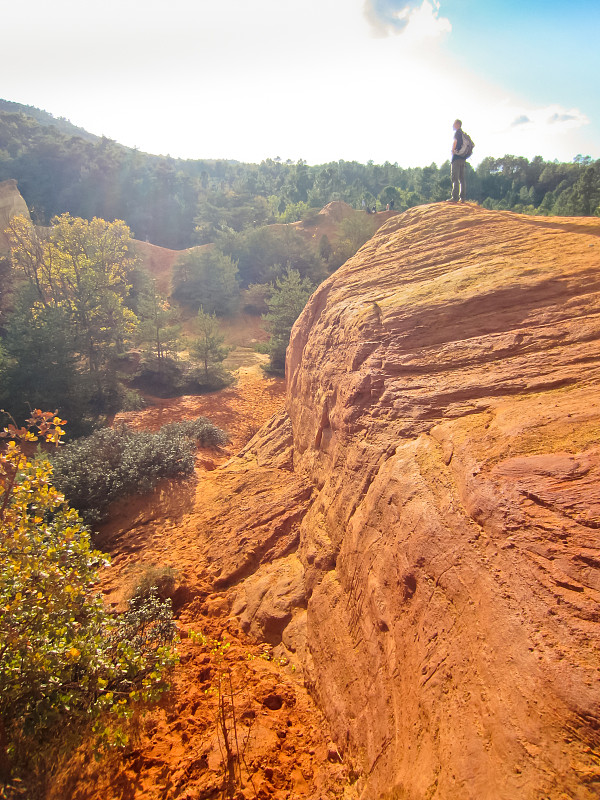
(443, 412)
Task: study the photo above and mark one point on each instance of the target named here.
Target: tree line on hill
(178, 203)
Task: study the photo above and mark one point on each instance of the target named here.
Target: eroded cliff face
(443, 409)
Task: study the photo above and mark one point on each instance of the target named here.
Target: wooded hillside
(177, 203)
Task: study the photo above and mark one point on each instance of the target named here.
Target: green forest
(84, 330)
(178, 203)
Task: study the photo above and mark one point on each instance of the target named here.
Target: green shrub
(255, 298)
(117, 462)
(201, 380)
(148, 625)
(132, 400)
(200, 430)
(65, 660)
(173, 378)
(164, 378)
(154, 580)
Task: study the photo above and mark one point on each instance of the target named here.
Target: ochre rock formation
(418, 532)
(11, 205)
(442, 441)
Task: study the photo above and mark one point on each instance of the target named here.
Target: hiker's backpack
(467, 146)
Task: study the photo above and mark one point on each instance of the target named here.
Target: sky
(319, 80)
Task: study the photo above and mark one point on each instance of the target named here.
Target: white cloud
(521, 129)
(418, 19)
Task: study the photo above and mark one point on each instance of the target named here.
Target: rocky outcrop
(337, 210)
(11, 205)
(444, 410)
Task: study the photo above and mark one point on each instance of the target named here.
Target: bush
(199, 430)
(175, 378)
(254, 298)
(216, 377)
(154, 580)
(164, 378)
(132, 400)
(148, 624)
(116, 462)
(64, 658)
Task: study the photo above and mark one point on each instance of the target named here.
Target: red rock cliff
(443, 405)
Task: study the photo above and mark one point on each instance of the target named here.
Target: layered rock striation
(442, 430)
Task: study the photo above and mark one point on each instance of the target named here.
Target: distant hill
(178, 203)
(44, 118)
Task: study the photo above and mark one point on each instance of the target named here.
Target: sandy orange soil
(176, 750)
(240, 410)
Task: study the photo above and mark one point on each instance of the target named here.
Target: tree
(42, 365)
(208, 347)
(354, 231)
(263, 253)
(63, 656)
(586, 192)
(325, 248)
(158, 329)
(81, 270)
(255, 298)
(5, 288)
(288, 298)
(390, 195)
(207, 278)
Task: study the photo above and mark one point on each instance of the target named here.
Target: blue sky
(318, 79)
(546, 50)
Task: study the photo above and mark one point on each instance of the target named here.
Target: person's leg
(461, 180)
(454, 175)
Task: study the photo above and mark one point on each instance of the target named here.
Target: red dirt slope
(440, 582)
(175, 750)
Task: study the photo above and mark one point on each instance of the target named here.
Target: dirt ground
(240, 409)
(278, 737)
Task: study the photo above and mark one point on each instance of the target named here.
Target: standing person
(457, 166)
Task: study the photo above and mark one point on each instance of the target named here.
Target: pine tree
(207, 279)
(208, 347)
(288, 298)
(158, 330)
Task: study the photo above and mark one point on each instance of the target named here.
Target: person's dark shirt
(459, 142)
